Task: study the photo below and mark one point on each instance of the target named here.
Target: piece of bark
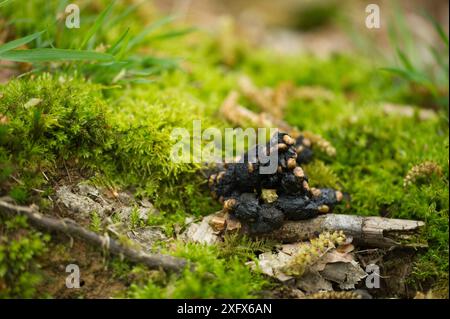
(202, 232)
(366, 231)
(70, 228)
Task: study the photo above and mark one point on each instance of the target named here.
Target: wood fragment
(366, 231)
(70, 228)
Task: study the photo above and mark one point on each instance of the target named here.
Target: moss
(19, 248)
(119, 136)
(321, 175)
(127, 143)
(214, 277)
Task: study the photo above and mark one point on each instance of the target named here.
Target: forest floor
(90, 139)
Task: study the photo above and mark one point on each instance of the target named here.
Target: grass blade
(143, 34)
(52, 55)
(441, 33)
(439, 29)
(123, 50)
(409, 75)
(172, 34)
(19, 42)
(5, 2)
(114, 21)
(113, 49)
(440, 61)
(97, 24)
(405, 61)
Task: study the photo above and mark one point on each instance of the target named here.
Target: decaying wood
(69, 227)
(366, 231)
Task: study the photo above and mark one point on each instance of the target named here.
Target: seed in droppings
(291, 163)
(315, 192)
(298, 172)
(282, 146)
(299, 149)
(339, 196)
(324, 209)
(288, 140)
(306, 185)
(250, 167)
(279, 169)
(306, 142)
(229, 204)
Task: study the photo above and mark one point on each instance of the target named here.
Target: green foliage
(110, 50)
(135, 220)
(427, 84)
(214, 277)
(243, 247)
(65, 118)
(52, 121)
(19, 247)
(49, 121)
(321, 175)
(19, 194)
(96, 222)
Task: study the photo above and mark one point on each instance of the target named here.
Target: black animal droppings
(297, 207)
(269, 218)
(303, 149)
(290, 184)
(247, 207)
(239, 186)
(327, 197)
